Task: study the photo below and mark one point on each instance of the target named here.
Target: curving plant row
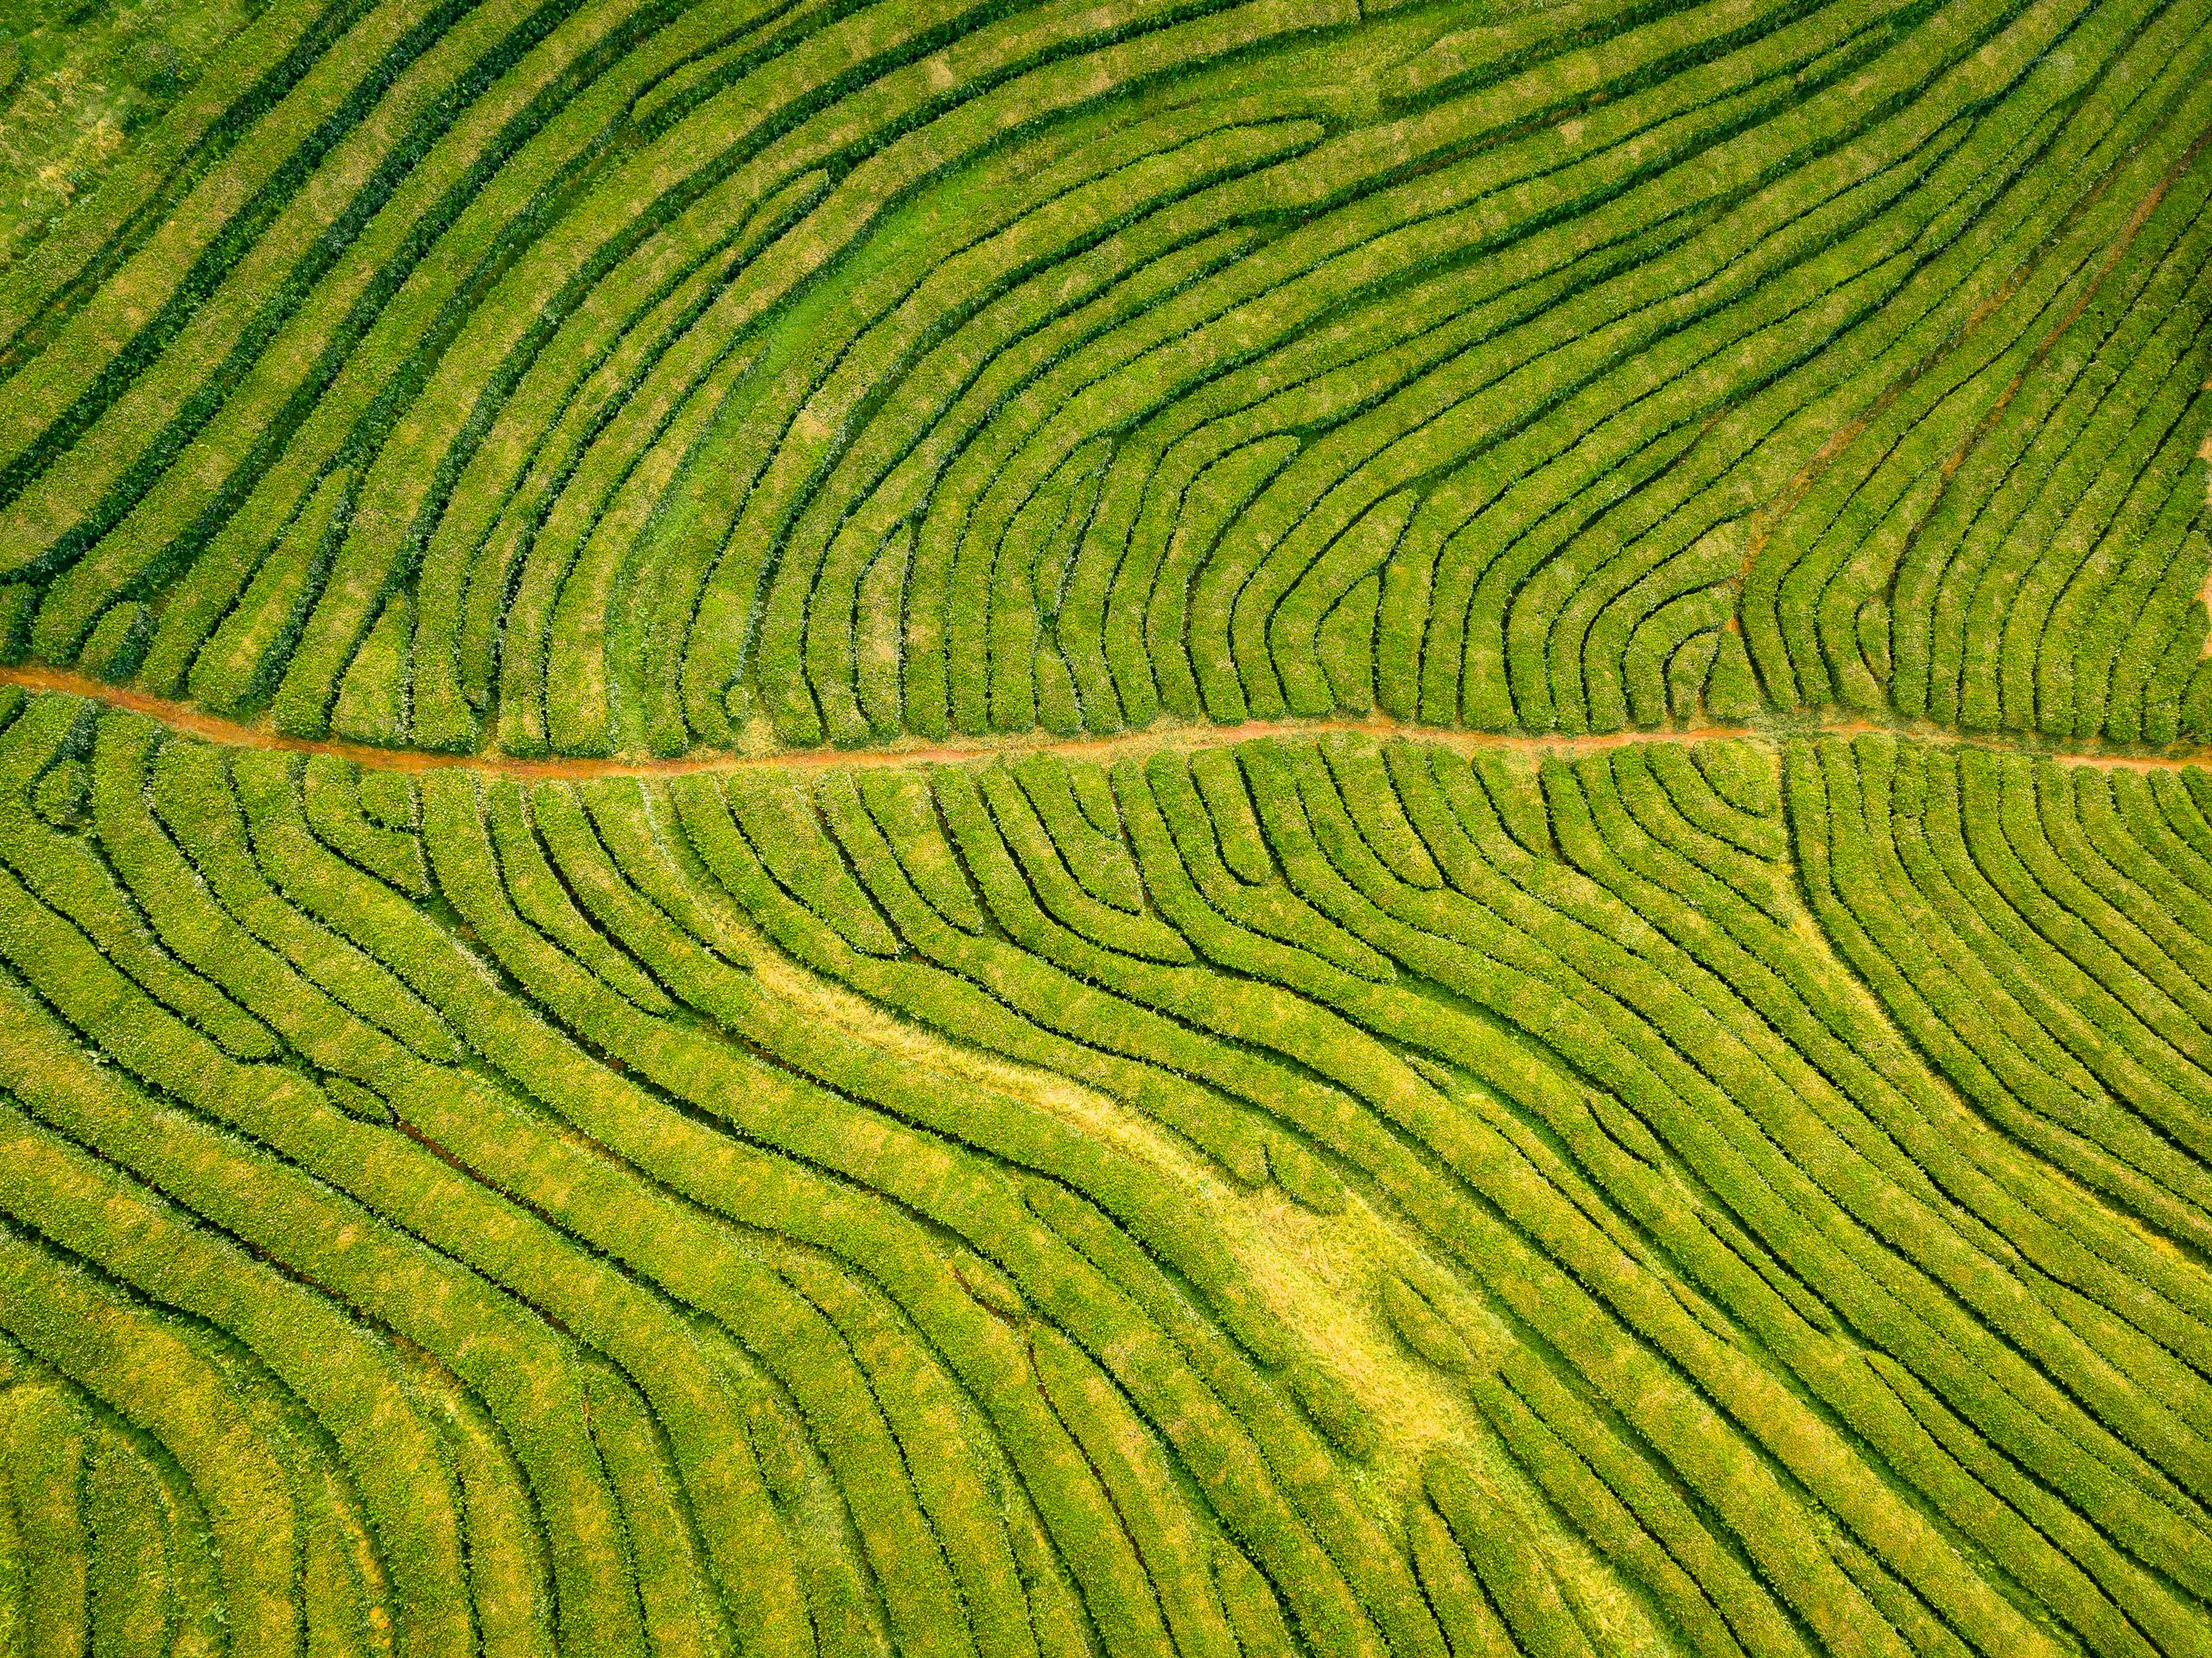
(606, 377)
(1279, 829)
(1306, 1196)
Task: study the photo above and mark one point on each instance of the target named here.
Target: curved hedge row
(1420, 1144)
(1302, 1197)
(619, 376)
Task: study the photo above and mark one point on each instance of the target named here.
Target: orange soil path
(183, 717)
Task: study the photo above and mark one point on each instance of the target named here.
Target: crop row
(626, 374)
(563, 1227)
(815, 1212)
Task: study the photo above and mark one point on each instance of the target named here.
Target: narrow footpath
(1770, 730)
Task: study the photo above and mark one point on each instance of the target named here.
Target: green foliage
(838, 831)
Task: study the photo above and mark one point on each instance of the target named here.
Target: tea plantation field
(1105, 829)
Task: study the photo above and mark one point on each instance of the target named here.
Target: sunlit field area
(1127, 829)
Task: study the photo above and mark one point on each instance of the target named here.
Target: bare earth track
(183, 717)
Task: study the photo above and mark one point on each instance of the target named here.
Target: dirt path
(183, 716)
